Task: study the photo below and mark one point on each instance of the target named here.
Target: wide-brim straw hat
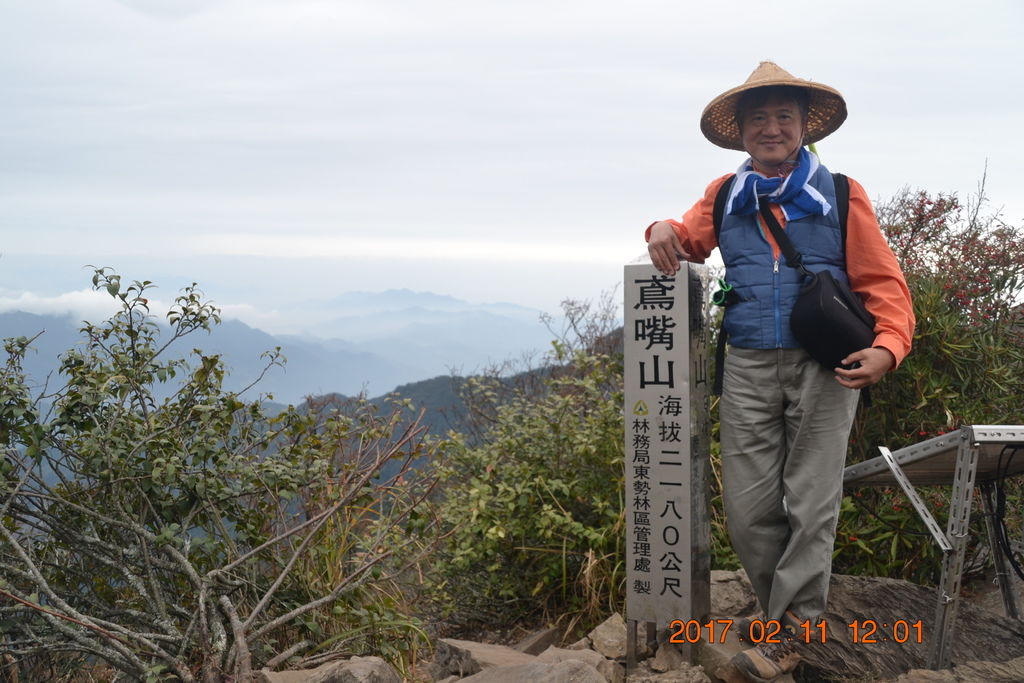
(826, 108)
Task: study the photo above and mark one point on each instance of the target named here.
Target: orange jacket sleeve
(696, 232)
(876, 276)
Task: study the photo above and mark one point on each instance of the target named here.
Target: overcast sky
(283, 150)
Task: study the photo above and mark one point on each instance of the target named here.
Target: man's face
(772, 132)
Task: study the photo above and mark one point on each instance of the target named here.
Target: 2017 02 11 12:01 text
(861, 631)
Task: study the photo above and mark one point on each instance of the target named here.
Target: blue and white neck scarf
(797, 198)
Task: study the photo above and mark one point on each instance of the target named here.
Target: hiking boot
(767, 661)
(743, 626)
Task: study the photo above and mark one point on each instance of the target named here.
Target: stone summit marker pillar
(668, 528)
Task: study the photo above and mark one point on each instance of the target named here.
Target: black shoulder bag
(828, 319)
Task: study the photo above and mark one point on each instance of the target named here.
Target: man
(785, 419)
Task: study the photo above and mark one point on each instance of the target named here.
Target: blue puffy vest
(766, 288)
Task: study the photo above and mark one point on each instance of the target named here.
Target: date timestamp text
(861, 631)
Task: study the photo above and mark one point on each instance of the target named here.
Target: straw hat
(826, 108)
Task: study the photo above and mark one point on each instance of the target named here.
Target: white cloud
(385, 250)
(261, 317)
(168, 8)
(85, 304)
(453, 133)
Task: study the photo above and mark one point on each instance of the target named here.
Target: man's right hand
(665, 248)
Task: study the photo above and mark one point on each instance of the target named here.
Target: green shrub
(965, 271)
(193, 536)
(534, 502)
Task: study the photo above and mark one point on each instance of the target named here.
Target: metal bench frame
(954, 456)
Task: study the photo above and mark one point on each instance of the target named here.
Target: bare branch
(65, 617)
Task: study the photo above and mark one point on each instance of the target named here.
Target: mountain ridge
(387, 347)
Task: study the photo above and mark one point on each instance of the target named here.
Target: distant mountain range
(367, 343)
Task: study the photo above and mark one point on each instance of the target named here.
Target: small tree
(534, 501)
(966, 275)
(965, 270)
(192, 536)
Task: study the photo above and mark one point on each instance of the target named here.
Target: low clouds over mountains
(364, 342)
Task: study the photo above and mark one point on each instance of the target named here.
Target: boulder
(355, 670)
(465, 658)
(538, 641)
(980, 635)
(581, 644)
(667, 658)
(1011, 671)
(609, 638)
(608, 669)
(569, 671)
(613, 672)
(926, 676)
(731, 594)
(686, 673)
(554, 655)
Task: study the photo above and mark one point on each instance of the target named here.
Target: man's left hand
(874, 363)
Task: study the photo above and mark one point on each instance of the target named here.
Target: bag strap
(720, 200)
(842, 184)
(794, 259)
(723, 337)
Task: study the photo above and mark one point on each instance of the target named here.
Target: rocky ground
(989, 647)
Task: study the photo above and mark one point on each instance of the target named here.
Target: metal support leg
(941, 652)
(631, 629)
(1003, 576)
(652, 636)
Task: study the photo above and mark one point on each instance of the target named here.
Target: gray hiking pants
(785, 422)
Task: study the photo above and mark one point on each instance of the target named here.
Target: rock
(268, 676)
(538, 641)
(611, 671)
(609, 638)
(355, 670)
(731, 594)
(553, 655)
(667, 658)
(1011, 671)
(985, 593)
(569, 671)
(364, 670)
(979, 635)
(464, 657)
(581, 644)
(926, 676)
(687, 673)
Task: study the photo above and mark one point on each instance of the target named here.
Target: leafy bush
(535, 500)
(194, 537)
(965, 270)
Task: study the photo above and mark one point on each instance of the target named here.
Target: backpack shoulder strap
(720, 200)
(842, 184)
(719, 213)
